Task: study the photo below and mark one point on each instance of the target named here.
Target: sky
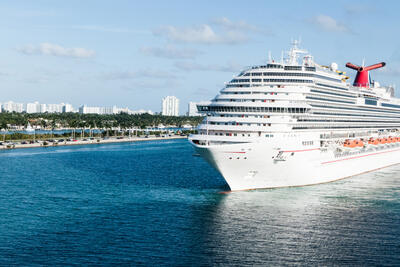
(134, 53)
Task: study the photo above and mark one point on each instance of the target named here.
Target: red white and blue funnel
(362, 78)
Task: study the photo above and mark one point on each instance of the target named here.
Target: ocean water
(153, 203)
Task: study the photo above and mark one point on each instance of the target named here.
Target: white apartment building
(141, 111)
(55, 108)
(10, 106)
(89, 110)
(192, 109)
(170, 106)
(33, 107)
(67, 108)
(98, 110)
(36, 107)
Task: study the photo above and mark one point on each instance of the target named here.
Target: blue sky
(133, 53)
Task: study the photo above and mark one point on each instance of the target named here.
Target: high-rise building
(13, 107)
(98, 110)
(67, 108)
(43, 108)
(33, 107)
(192, 109)
(170, 106)
(54, 108)
(89, 110)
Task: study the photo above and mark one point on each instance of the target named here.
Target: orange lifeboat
(358, 143)
(346, 143)
(373, 141)
(349, 143)
(353, 143)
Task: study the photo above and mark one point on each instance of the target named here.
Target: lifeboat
(346, 143)
(358, 143)
(373, 141)
(385, 141)
(353, 143)
(349, 143)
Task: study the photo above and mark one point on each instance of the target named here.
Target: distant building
(13, 107)
(141, 111)
(49, 108)
(43, 108)
(192, 109)
(170, 106)
(36, 107)
(89, 110)
(98, 110)
(68, 108)
(33, 107)
(55, 108)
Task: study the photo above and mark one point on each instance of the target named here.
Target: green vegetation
(77, 120)
(80, 135)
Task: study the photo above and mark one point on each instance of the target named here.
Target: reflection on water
(152, 203)
(354, 221)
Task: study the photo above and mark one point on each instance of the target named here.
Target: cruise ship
(295, 123)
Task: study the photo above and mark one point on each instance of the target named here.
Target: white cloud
(329, 24)
(170, 52)
(219, 31)
(193, 66)
(56, 50)
(202, 34)
(240, 25)
(127, 75)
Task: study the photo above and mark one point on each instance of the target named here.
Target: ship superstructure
(296, 122)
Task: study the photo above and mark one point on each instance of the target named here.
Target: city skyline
(36, 107)
(169, 107)
(83, 52)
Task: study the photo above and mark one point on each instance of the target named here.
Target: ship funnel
(362, 77)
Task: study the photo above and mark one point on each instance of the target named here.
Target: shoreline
(95, 141)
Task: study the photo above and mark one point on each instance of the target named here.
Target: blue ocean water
(153, 203)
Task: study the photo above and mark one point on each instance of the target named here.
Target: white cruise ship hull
(255, 165)
(294, 123)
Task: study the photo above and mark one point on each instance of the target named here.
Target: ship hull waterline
(254, 165)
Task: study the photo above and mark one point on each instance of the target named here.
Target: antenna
(269, 56)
